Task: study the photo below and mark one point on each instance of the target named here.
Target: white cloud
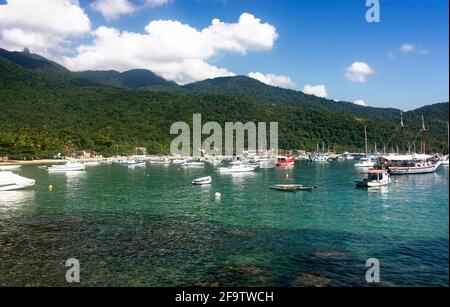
(274, 80)
(317, 90)
(41, 25)
(360, 102)
(358, 72)
(407, 48)
(112, 9)
(154, 3)
(174, 50)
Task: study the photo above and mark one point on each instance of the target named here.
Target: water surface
(149, 226)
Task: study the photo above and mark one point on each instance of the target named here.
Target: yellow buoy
(50, 188)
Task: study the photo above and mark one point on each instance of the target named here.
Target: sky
(322, 47)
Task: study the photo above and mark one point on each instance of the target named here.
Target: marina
(234, 231)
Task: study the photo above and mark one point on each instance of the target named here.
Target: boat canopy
(415, 157)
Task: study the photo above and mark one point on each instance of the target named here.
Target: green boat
(292, 187)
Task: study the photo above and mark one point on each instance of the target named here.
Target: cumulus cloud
(360, 102)
(358, 72)
(42, 26)
(411, 48)
(317, 90)
(112, 9)
(274, 80)
(172, 49)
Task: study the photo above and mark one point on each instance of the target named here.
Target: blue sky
(316, 42)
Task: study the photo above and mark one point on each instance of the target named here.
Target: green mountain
(44, 112)
(136, 78)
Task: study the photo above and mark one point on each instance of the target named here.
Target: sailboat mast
(365, 138)
(423, 141)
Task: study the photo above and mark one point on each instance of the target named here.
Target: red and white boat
(285, 161)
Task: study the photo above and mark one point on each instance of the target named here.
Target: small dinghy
(202, 181)
(291, 187)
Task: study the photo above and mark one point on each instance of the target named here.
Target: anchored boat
(410, 164)
(375, 179)
(202, 181)
(10, 181)
(291, 187)
(365, 163)
(70, 166)
(192, 164)
(237, 167)
(285, 161)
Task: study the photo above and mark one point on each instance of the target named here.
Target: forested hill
(45, 109)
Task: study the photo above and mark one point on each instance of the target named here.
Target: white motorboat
(375, 179)
(365, 163)
(318, 158)
(70, 166)
(10, 181)
(237, 167)
(410, 164)
(12, 167)
(160, 161)
(192, 164)
(202, 181)
(348, 157)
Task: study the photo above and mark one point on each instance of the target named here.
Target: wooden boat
(292, 187)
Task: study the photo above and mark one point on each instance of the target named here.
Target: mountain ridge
(45, 114)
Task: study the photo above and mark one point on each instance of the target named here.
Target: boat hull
(414, 170)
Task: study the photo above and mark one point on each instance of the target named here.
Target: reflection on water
(13, 200)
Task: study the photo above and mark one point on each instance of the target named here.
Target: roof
(407, 157)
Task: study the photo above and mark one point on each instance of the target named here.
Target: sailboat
(319, 157)
(412, 163)
(366, 162)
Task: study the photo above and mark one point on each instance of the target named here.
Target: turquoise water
(150, 227)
